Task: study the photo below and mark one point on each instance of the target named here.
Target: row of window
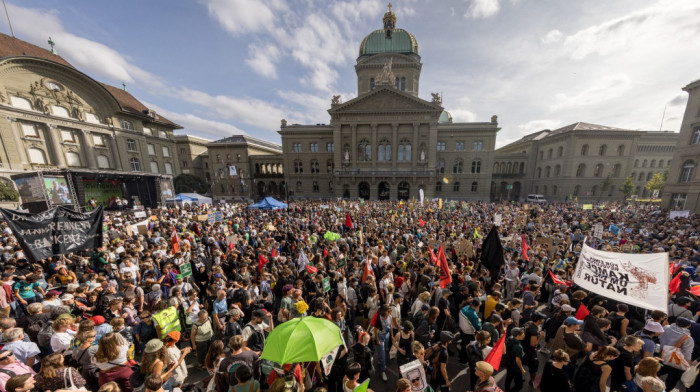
(135, 164)
(602, 151)
(131, 147)
(456, 186)
(581, 170)
(399, 83)
(384, 151)
(458, 166)
(652, 163)
(509, 168)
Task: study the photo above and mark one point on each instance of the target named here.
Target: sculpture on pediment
(335, 100)
(386, 76)
(2, 97)
(436, 98)
(77, 113)
(284, 123)
(494, 119)
(40, 105)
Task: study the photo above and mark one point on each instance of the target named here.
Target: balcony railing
(385, 173)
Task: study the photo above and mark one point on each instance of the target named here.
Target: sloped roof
(245, 139)
(10, 47)
(130, 104)
(584, 126)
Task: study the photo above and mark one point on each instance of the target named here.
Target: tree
(607, 184)
(8, 192)
(187, 183)
(657, 181)
(627, 187)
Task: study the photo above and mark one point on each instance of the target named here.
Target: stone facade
(682, 190)
(192, 151)
(584, 161)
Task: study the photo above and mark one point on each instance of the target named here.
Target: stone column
(373, 140)
(88, 149)
(394, 145)
(56, 151)
(115, 154)
(19, 143)
(353, 146)
(415, 146)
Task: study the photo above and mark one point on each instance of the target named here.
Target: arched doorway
(261, 189)
(363, 190)
(282, 189)
(404, 190)
(272, 188)
(515, 193)
(383, 191)
(346, 191)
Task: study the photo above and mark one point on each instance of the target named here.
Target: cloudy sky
(220, 67)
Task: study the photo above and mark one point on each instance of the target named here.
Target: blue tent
(191, 198)
(268, 203)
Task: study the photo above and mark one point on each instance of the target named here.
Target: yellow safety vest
(167, 321)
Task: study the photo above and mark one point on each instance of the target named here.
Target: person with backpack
(676, 335)
(254, 332)
(437, 357)
(477, 351)
(515, 372)
(469, 324)
(651, 331)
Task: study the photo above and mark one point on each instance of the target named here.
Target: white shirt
(60, 341)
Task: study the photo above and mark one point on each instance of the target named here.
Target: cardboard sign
(414, 372)
(202, 218)
(497, 218)
(140, 214)
(186, 270)
(598, 231)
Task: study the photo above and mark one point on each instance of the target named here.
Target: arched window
(438, 186)
(696, 136)
(522, 168)
(458, 167)
(515, 168)
(403, 83)
(644, 163)
(440, 167)
(584, 150)
(537, 189)
(298, 167)
(315, 186)
(581, 170)
(314, 166)
(329, 166)
(554, 189)
(616, 170)
(547, 171)
(73, 159)
(135, 164)
(649, 175)
(544, 190)
(661, 163)
(687, 171)
(503, 168)
(603, 150)
(636, 163)
(652, 163)
(103, 162)
(549, 153)
(364, 151)
(475, 186)
(594, 190)
(37, 156)
(495, 168)
(641, 177)
(557, 171)
(560, 151)
(541, 155)
(509, 167)
(539, 172)
(299, 187)
(455, 186)
(577, 190)
(620, 150)
(384, 151)
(476, 167)
(598, 171)
(404, 151)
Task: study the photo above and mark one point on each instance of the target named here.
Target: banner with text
(636, 279)
(57, 231)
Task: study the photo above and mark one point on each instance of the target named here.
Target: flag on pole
(274, 252)
(496, 354)
(492, 252)
(261, 262)
(525, 248)
(445, 275)
(325, 252)
(555, 279)
(348, 221)
(675, 284)
(367, 271)
(695, 290)
(230, 245)
(311, 269)
(582, 312)
(433, 258)
(302, 261)
(176, 242)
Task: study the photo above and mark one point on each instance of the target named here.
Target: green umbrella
(331, 236)
(304, 339)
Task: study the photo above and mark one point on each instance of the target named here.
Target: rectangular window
(184, 163)
(131, 145)
(478, 145)
(154, 167)
(297, 147)
(127, 125)
(59, 111)
(168, 168)
(29, 130)
(151, 149)
(313, 147)
(441, 146)
(330, 147)
(459, 146)
(166, 151)
(98, 140)
(67, 136)
(20, 103)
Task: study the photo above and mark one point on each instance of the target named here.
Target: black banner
(57, 231)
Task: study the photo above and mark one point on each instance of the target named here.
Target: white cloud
(263, 59)
(539, 125)
(244, 16)
(552, 36)
(193, 123)
(483, 8)
(607, 88)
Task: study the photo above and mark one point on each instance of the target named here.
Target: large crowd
(130, 316)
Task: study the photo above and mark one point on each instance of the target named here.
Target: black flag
(492, 253)
(57, 231)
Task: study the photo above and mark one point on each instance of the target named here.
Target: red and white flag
(367, 271)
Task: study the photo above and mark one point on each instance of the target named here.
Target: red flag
(671, 269)
(695, 290)
(555, 279)
(261, 262)
(176, 242)
(348, 221)
(366, 271)
(196, 229)
(274, 252)
(525, 248)
(495, 355)
(421, 222)
(433, 258)
(445, 275)
(325, 252)
(582, 312)
(230, 245)
(311, 269)
(675, 284)
(373, 322)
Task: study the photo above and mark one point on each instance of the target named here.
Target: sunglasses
(7, 356)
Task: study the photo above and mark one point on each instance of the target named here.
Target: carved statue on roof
(436, 98)
(386, 76)
(284, 123)
(494, 119)
(335, 100)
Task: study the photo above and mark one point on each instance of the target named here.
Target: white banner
(328, 359)
(679, 214)
(232, 171)
(636, 279)
(422, 195)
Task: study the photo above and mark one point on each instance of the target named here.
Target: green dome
(445, 117)
(401, 41)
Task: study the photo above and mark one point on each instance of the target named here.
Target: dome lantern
(389, 22)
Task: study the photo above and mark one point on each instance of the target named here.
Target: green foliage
(8, 192)
(657, 181)
(187, 183)
(627, 187)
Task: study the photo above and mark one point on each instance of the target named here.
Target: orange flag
(445, 275)
(525, 247)
(496, 354)
(366, 271)
(176, 242)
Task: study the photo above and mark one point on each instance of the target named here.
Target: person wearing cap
(439, 379)
(51, 299)
(101, 327)
(515, 372)
(556, 321)
(484, 372)
(254, 332)
(11, 367)
(180, 283)
(174, 354)
(652, 330)
(156, 361)
(677, 333)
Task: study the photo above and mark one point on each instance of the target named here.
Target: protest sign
(57, 231)
(679, 214)
(598, 231)
(186, 270)
(497, 218)
(140, 214)
(326, 284)
(414, 372)
(635, 279)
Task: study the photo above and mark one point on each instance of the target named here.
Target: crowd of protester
(123, 317)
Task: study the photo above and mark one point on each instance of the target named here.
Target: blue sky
(220, 67)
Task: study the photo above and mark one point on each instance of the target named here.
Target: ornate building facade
(682, 190)
(584, 161)
(55, 120)
(388, 143)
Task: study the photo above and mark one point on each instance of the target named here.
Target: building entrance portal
(383, 191)
(364, 190)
